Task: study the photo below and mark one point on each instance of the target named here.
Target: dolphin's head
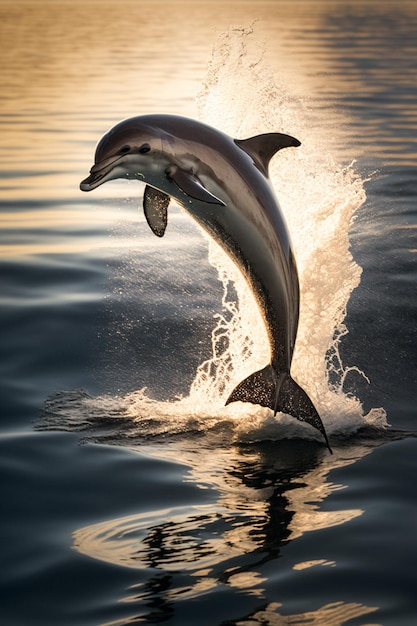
(129, 150)
(139, 148)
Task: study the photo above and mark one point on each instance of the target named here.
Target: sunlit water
(196, 512)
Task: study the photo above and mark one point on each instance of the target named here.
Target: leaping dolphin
(223, 183)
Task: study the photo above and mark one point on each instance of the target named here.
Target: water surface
(129, 493)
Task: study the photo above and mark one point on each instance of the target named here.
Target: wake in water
(241, 97)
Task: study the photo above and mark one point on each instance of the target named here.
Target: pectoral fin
(155, 206)
(191, 185)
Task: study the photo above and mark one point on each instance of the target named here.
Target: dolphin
(223, 184)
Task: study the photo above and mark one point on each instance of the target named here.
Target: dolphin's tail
(280, 393)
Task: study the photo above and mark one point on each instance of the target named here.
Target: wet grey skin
(223, 184)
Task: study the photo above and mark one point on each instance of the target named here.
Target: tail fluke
(280, 393)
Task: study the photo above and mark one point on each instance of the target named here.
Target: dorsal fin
(263, 147)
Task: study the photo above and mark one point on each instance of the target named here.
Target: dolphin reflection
(265, 500)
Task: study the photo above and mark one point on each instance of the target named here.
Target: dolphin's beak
(98, 173)
(91, 182)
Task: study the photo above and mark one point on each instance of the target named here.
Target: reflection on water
(268, 495)
(329, 614)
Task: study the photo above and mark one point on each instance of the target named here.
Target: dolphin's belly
(264, 257)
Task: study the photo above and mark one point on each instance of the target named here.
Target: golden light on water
(69, 73)
(330, 614)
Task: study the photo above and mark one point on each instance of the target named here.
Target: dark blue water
(128, 495)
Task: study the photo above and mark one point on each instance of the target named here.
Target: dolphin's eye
(124, 150)
(145, 148)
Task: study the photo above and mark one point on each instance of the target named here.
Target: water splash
(241, 96)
